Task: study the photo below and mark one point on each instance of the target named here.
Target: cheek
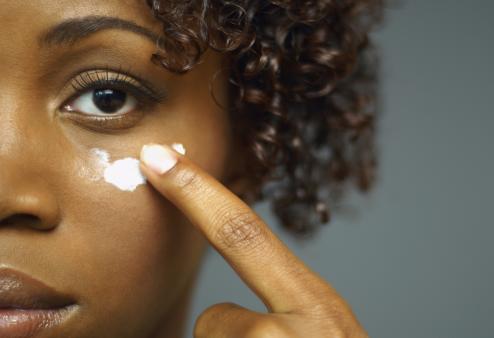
(134, 251)
(134, 244)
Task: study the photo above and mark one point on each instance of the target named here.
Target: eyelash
(120, 80)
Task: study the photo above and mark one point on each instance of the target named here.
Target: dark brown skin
(131, 258)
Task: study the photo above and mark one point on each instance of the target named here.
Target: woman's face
(125, 254)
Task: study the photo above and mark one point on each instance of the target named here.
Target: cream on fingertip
(159, 158)
(179, 147)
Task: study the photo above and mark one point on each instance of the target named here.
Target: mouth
(28, 306)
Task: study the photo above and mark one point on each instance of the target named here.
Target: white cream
(179, 147)
(102, 155)
(93, 171)
(125, 173)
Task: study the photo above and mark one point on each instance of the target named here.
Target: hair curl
(303, 80)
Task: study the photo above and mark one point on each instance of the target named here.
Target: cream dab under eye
(124, 173)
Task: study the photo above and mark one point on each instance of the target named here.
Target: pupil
(109, 100)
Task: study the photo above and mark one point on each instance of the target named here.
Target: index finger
(258, 256)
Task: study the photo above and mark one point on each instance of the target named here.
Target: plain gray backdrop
(416, 259)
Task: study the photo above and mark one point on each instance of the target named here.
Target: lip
(28, 305)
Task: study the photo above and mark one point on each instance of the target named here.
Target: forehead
(68, 8)
(23, 21)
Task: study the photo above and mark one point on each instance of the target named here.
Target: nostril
(36, 209)
(19, 219)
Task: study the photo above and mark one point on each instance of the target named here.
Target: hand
(301, 304)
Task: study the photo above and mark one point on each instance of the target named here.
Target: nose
(27, 197)
(34, 208)
(28, 155)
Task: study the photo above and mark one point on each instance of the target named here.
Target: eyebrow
(73, 30)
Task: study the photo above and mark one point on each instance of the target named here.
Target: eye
(106, 99)
(103, 102)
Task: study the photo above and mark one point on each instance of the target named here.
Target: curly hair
(302, 81)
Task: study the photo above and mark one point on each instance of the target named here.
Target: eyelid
(85, 81)
(115, 78)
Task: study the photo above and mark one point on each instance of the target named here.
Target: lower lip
(24, 323)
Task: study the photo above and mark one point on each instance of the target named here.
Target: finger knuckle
(185, 178)
(199, 331)
(240, 229)
(339, 309)
(329, 309)
(267, 328)
(338, 317)
(347, 331)
(337, 332)
(324, 303)
(188, 181)
(200, 328)
(215, 315)
(208, 316)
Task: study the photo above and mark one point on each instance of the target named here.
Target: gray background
(416, 259)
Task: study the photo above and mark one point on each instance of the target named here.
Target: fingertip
(159, 158)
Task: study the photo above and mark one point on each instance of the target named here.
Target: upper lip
(20, 291)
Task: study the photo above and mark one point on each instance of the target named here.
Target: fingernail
(158, 158)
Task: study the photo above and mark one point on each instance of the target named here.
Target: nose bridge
(18, 117)
(8, 135)
(24, 135)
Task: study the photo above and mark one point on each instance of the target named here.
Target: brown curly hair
(302, 78)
